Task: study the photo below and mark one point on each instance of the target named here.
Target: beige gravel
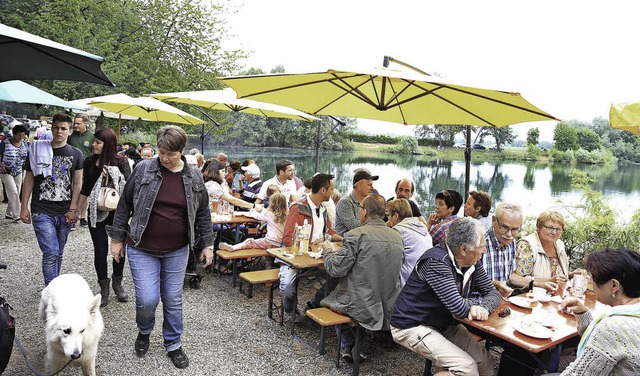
(225, 333)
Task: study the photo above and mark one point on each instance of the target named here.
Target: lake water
(536, 186)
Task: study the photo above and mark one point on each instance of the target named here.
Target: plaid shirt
(439, 231)
(499, 262)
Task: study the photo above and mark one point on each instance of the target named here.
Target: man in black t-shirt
(55, 185)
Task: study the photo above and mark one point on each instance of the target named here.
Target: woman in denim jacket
(168, 206)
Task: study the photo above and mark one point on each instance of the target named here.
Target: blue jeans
(51, 232)
(159, 276)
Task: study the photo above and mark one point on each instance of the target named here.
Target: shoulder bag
(108, 197)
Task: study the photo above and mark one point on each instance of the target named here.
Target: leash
(30, 366)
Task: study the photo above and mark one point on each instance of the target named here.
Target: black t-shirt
(52, 194)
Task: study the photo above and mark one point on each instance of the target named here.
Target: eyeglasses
(504, 229)
(553, 229)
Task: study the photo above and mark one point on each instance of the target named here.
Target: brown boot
(121, 295)
(104, 291)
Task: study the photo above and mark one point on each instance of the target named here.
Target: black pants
(101, 249)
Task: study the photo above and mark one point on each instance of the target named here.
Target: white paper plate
(523, 302)
(544, 299)
(533, 329)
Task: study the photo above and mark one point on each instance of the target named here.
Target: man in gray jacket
(414, 234)
(368, 267)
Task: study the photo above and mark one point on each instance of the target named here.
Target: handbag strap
(105, 179)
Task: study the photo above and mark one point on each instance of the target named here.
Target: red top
(167, 229)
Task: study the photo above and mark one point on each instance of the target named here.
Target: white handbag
(108, 197)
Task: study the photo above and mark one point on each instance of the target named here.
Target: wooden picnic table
(298, 262)
(236, 219)
(563, 326)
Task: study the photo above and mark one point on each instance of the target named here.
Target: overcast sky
(569, 58)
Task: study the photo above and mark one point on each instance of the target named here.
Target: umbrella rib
(489, 99)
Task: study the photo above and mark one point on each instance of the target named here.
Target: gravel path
(225, 333)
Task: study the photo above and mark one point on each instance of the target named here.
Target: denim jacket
(139, 196)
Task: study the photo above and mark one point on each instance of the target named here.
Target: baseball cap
(253, 169)
(363, 175)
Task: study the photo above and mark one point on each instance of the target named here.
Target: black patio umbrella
(29, 57)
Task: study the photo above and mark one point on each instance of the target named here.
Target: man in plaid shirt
(500, 260)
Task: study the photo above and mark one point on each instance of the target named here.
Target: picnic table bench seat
(269, 278)
(325, 317)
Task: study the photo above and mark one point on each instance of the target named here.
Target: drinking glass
(579, 285)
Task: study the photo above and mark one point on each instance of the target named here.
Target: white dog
(73, 323)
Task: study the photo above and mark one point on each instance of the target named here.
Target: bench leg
(249, 290)
(323, 333)
(270, 302)
(339, 329)
(356, 352)
(234, 273)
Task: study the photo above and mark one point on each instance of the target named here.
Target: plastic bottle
(304, 237)
(296, 237)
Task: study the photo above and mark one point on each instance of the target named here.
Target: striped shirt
(499, 261)
(454, 291)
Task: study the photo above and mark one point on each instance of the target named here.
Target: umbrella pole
(202, 139)
(467, 160)
(119, 118)
(318, 147)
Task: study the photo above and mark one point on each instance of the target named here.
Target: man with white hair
(252, 177)
(439, 290)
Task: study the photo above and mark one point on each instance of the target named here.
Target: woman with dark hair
(105, 165)
(448, 203)
(610, 342)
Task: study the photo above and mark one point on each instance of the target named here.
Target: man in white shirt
(283, 180)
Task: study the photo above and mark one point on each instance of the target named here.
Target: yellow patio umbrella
(143, 107)
(226, 100)
(625, 116)
(390, 95)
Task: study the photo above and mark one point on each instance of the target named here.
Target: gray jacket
(368, 266)
(416, 240)
(139, 196)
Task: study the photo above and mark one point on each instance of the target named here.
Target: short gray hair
(510, 207)
(172, 138)
(464, 231)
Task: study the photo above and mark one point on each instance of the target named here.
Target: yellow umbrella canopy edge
(146, 108)
(225, 100)
(388, 95)
(625, 116)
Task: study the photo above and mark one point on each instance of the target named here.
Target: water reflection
(537, 186)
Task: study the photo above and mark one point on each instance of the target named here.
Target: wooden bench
(325, 317)
(243, 255)
(267, 277)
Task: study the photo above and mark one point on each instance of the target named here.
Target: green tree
(533, 135)
(407, 145)
(588, 140)
(444, 133)
(565, 137)
(502, 135)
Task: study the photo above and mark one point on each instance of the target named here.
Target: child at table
(275, 216)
